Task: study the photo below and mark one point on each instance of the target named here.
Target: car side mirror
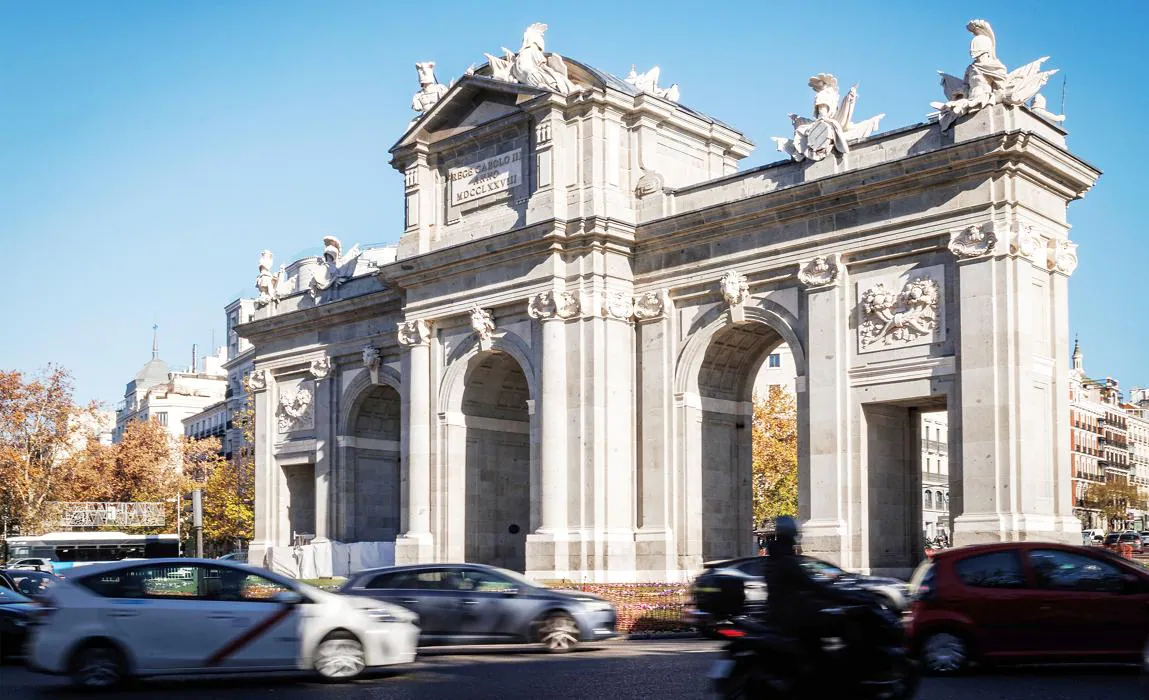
(287, 598)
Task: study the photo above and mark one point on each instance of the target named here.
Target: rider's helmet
(786, 531)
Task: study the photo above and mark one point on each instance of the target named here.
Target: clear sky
(149, 150)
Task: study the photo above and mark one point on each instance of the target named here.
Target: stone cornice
(366, 306)
(854, 188)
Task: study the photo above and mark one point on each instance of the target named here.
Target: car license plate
(721, 670)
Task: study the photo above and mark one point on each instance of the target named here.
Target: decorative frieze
(973, 241)
(554, 304)
(320, 368)
(822, 271)
(257, 380)
(907, 317)
(483, 323)
(296, 409)
(417, 332)
(1062, 256)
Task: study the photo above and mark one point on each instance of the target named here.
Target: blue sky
(150, 150)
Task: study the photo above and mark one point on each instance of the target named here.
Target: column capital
(973, 241)
(320, 368)
(257, 380)
(821, 271)
(652, 305)
(412, 333)
(1062, 257)
(552, 305)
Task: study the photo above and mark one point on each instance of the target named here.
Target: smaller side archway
(371, 500)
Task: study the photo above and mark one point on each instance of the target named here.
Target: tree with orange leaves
(775, 455)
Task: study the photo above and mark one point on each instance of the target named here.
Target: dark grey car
(477, 604)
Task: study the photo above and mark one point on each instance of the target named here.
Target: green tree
(775, 455)
(1114, 498)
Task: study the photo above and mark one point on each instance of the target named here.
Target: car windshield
(1130, 537)
(1110, 539)
(9, 596)
(821, 568)
(517, 577)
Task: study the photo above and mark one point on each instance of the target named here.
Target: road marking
(247, 637)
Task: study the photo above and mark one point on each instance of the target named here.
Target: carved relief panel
(296, 408)
(903, 311)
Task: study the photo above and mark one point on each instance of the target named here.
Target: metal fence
(642, 607)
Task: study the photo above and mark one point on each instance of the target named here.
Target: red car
(1022, 601)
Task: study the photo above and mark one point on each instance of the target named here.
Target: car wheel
(98, 666)
(340, 657)
(559, 633)
(945, 654)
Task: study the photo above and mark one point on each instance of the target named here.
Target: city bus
(70, 549)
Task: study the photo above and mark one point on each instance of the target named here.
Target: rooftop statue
(831, 128)
(532, 66)
(267, 283)
(334, 267)
(987, 82)
(648, 82)
(430, 91)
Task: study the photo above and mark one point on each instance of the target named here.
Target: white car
(202, 616)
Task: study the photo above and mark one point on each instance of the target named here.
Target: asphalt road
(614, 670)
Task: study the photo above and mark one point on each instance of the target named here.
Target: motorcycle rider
(795, 599)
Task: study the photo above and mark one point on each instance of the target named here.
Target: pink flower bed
(642, 607)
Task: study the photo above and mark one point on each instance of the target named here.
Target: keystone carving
(822, 271)
(483, 323)
(416, 332)
(973, 241)
(901, 317)
(735, 290)
(372, 358)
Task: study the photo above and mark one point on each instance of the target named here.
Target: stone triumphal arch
(553, 369)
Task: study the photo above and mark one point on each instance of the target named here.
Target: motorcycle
(870, 660)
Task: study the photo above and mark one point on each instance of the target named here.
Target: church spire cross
(155, 341)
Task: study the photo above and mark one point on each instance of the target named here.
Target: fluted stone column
(266, 505)
(547, 547)
(416, 545)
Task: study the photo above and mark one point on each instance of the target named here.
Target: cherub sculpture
(986, 80)
(334, 267)
(831, 128)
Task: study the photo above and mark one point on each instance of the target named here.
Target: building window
(775, 360)
(929, 500)
(162, 417)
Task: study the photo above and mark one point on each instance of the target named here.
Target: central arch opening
(726, 387)
(375, 467)
(498, 459)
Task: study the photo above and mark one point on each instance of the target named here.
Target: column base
(549, 557)
(414, 548)
(257, 554)
(986, 528)
(826, 539)
(654, 556)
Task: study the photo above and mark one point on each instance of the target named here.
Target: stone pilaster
(548, 546)
(265, 494)
(654, 541)
(416, 545)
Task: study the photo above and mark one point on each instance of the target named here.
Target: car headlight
(594, 605)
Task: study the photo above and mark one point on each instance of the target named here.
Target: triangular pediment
(470, 103)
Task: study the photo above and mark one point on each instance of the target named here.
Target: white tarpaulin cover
(326, 559)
